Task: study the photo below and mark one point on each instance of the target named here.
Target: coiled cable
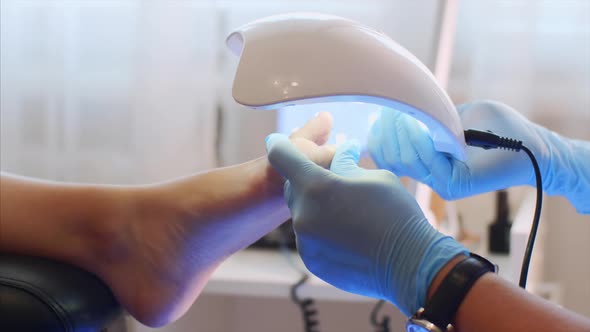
(307, 306)
(383, 324)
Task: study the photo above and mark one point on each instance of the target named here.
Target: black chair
(38, 294)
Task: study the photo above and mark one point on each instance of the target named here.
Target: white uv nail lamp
(293, 60)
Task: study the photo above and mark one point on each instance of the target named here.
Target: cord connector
(488, 140)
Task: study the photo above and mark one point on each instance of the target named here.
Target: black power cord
(307, 307)
(488, 140)
(383, 325)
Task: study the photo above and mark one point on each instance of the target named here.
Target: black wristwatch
(437, 315)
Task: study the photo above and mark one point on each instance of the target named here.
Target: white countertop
(269, 273)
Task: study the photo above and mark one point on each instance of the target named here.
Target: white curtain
(532, 55)
(108, 91)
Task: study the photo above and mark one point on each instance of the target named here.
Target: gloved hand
(398, 143)
(358, 229)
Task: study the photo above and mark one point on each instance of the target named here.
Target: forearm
(494, 304)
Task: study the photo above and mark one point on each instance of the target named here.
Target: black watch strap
(444, 303)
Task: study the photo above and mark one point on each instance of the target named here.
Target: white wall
(251, 314)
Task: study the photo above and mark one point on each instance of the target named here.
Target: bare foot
(158, 256)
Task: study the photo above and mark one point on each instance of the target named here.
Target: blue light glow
(352, 120)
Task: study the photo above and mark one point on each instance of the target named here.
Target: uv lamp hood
(302, 58)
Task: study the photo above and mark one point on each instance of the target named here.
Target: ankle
(107, 234)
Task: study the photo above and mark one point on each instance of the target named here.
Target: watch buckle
(418, 315)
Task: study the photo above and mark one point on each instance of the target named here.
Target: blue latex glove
(398, 143)
(358, 229)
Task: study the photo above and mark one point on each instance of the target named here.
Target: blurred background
(130, 91)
